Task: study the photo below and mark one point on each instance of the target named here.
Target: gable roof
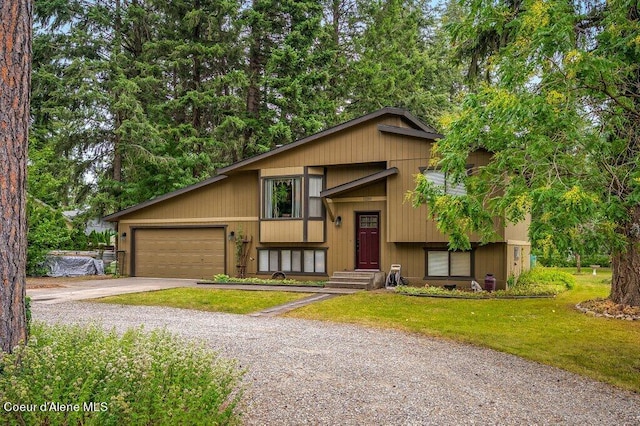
(358, 183)
(420, 130)
(114, 216)
(424, 131)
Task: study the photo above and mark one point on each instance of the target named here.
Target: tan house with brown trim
(331, 202)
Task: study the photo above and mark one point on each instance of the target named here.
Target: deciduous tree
(561, 118)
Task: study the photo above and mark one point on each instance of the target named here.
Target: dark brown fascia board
(409, 132)
(114, 216)
(413, 120)
(358, 183)
(351, 123)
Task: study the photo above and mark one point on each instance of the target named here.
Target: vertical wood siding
(354, 153)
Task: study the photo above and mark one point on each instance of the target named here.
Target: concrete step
(346, 284)
(353, 274)
(351, 279)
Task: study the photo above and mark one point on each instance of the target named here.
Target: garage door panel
(179, 253)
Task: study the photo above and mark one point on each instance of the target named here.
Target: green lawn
(549, 331)
(203, 299)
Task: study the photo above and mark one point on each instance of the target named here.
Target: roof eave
(354, 122)
(115, 216)
(358, 183)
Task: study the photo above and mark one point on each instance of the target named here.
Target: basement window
(292, 260)
(449, 264)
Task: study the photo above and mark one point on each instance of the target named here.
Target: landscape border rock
(606, 308)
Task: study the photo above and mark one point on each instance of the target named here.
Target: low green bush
(434, 291)
(72, 375)
(543, 277)
(223, 278)
(536, 282)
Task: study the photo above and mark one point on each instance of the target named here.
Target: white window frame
(300, 260)
(269, 210)
(440, 179)
(448, 269)
(313, 197)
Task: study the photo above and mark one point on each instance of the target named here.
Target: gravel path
(305, 372)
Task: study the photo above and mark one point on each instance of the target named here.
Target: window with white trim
(282, 198)
(447, 264)
(315, 202)
(439, 178)
(292, 260)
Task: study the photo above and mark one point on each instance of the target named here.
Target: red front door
(367, 240)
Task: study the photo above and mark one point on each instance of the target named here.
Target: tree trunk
(625, 285)
(117, 139)
(15, 74)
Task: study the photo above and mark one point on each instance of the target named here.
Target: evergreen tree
(399, 62)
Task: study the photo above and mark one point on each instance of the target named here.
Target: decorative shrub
(443, 292)
(223, 278)
(536, 282)
(83, 375)
(543, 277)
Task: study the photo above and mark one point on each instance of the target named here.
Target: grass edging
(276, 284)
(548, 330)
(487, 297)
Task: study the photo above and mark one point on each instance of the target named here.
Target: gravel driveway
(306, 372)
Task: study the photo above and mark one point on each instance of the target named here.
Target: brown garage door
(179, 252)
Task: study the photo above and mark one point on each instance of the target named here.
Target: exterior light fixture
(338, 221)
(232, 236)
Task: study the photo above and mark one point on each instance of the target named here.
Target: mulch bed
(608, 309)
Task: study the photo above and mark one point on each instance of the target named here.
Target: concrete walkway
(93, 289)
(280, 309)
